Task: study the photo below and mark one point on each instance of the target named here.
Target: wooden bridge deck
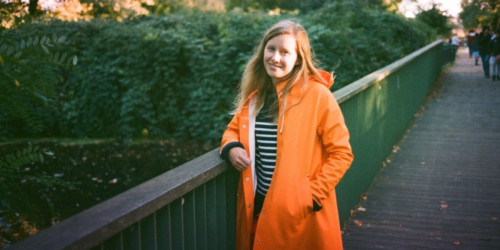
(441, 187)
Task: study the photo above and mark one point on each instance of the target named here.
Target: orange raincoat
(313, 153)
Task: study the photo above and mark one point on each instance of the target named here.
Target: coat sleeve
(230, 137)
(336, 149)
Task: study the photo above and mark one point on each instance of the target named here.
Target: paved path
(441, 188)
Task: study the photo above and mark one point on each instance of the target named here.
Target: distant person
(289, 140)
(495, 52)
(454, 40)
(485, 49)
(455, 43)
(473, 46)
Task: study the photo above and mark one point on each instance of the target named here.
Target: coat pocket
(305, 204)
(292, 203)
(297, 202)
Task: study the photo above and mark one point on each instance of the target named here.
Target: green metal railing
(378, 109)
(193, 206)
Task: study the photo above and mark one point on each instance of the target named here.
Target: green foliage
(32, 65)
(480, 13)
(164, 7)
(436, 19)
(23, 188)
(273, 4)
(305, 6)
(177, 75)
(354, 41)
(11, 163)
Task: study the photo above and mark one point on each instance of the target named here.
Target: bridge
(424, 136)
(440, 188)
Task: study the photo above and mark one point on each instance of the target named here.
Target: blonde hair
(255, 77)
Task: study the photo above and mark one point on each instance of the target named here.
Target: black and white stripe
(265, 152)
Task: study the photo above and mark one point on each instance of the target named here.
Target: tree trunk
(33, 4)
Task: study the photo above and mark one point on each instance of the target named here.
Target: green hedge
(173, 75)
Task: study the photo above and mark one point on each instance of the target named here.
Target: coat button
(249, 205)
(247, 179)
(244, 125)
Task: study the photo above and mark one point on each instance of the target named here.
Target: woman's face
(280, 56)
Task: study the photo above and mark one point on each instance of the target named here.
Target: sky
(48, 4)
(409, 8)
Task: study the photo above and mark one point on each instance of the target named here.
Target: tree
(303, 5)
(33, 8)
(392, 5)
(32, 68)
(436, 19)
(480, 12)
(15, 12)
(12, 13)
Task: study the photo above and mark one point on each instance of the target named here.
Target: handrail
(363, 83)
(104, 220)
(109, 218)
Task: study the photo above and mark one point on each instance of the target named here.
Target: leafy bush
(176, 75)
(32, 65)
(354, 41)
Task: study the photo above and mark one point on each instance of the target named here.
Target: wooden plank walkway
(441, 188)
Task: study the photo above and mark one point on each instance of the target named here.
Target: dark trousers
(485, 59)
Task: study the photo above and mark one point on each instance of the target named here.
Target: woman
(289, 140)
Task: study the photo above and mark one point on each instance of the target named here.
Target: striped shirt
(265, 153)
(265, 147)
(265, 150)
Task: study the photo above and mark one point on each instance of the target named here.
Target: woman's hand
(239, 159)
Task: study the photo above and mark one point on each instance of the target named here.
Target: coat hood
(328, 79)
(298, 91)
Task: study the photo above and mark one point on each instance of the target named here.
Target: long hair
(255, 77)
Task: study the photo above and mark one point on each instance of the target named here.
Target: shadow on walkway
(441, 187)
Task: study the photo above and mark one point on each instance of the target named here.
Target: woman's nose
(276, 57)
